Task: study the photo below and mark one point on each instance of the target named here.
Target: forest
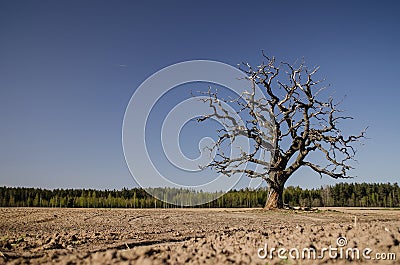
(341, 194)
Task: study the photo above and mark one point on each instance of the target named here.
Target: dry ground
(193, 236)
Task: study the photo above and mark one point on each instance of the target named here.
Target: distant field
(194, 236)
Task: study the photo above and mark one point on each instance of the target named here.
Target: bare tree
(289, 121)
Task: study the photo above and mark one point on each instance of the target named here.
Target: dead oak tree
(289, 121)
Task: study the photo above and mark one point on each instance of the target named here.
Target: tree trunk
(275, 197)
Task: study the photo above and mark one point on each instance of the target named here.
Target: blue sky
(69, 68)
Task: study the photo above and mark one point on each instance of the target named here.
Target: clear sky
(69, 68)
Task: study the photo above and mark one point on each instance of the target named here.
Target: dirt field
(197, 236)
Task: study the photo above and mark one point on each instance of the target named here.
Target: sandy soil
(195, 236)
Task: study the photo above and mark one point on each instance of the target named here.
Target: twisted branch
(290, 121)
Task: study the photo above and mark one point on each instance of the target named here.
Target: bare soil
(195, 236)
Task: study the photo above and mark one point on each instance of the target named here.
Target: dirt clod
(190, 236)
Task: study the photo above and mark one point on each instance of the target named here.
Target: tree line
(342, 194)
